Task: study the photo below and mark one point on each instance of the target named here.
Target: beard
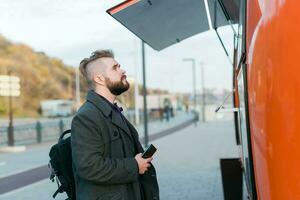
(117, 87)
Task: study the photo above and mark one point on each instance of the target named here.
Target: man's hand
(142, 163)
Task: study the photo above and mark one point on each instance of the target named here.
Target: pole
(145, 95)
(136, 87)
(77, 88)
(136, 97)
(194, 80)
(194, 84)
(203, 93)
(10, 125)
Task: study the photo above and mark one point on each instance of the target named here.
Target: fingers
(138, 156)
(144, 170)
(146, 167)
(143, 164)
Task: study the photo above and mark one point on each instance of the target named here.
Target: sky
(71, 29)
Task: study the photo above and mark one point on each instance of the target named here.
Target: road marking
(19, 171)
(22, 189)
(20, 180)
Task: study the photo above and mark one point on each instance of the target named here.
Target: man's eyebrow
(116, 65)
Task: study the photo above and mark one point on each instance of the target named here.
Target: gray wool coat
(103, 150)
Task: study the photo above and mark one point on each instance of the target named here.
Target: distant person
(167, 109)
(172, 111)
(106, 151)
(161, 114)
(186, 107)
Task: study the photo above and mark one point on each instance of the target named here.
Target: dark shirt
(115, 108)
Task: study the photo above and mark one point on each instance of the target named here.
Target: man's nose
(123, 71)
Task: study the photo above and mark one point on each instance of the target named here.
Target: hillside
(42, 77)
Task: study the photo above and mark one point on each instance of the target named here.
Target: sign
(12, 79)
(9, 86)
(12, 86)
(13, 93)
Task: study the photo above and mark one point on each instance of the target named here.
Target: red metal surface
(122, 6)
(273, 38)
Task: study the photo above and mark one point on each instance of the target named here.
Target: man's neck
(106, 94)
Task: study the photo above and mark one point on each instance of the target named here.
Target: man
(106, 151)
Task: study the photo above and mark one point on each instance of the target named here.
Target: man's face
(115, 77)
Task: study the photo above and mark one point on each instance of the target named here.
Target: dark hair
(94, 56)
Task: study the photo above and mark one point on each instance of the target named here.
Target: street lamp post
(203, 92)
(145, 96)
(136, 85)
(194, 78)
(77, 86)
(11, 140)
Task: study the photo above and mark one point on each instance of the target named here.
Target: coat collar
(106, 108)
(100, 103)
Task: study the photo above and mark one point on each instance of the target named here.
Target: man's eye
(116, 67)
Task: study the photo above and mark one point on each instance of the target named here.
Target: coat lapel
(118, 121)
(135, 136)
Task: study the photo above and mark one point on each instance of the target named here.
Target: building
(57, 108)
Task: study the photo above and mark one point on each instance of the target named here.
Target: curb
(13, 149)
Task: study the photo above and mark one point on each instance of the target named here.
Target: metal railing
(50, 130)
(35, 132)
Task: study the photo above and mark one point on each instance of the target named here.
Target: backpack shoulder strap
(63, 134)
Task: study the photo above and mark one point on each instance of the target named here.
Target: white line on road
(20, 190)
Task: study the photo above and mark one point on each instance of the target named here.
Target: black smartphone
(149, 151)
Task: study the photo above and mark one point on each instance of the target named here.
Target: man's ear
(99, 79)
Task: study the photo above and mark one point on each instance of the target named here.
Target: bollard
(61, 126)
(10, 135)
(38, 132)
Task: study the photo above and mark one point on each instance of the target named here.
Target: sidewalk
(188, 161)
(187, 164)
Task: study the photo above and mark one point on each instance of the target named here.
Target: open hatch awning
(162, 23)
(223, 11)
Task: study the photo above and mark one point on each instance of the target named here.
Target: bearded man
(106, 152)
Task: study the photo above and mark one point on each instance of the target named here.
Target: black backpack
(60, 165)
